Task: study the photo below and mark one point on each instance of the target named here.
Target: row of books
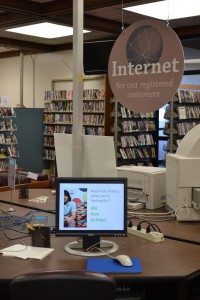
(58, 106)
(88, 106)
(93, 120)
(7, 125)
(188, 96)
(184, 127)
(57, 129)
(11, 151)
(93, 131)
(8, 139)
(135, 153)
(93, 106)
(49, 154)
(68, 94)
(93, 94)
(58, 118)
(134, 126)
(126, 113)
(68, 118)
(188, 112)
(49, 140)
(140, 140)
(7, 112)
(58, 95)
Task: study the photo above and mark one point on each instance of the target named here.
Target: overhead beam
(21, 6)
(23, 45)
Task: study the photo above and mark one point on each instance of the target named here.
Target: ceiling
(102, 17)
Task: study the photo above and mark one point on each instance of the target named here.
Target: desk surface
(182, 230)
(166, 259)
(13, 196)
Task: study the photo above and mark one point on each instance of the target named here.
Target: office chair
(62, 284)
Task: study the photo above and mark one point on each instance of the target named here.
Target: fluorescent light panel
(45, 30)
(168, 10)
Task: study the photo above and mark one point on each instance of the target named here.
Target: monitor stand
(80, 248)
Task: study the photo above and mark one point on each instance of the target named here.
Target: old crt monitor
(100, 206)
(183, 178)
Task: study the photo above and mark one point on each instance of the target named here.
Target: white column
(77, 88)
(21, 99)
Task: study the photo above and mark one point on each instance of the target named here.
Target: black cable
(130, 224)
(149, 226)
(182, 240)
(15, 238)
(148, 229)
(156, 227)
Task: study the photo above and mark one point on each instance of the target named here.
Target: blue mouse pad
(109, 265)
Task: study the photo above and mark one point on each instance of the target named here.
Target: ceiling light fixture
(168, 10)
(45, 30)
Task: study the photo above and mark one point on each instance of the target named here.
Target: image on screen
(91, 208)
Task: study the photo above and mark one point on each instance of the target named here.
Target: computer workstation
(171, 261)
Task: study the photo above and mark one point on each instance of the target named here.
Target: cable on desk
(152, 217)
(14, 220)
(182, 240)
(150, 226)
(9, 221)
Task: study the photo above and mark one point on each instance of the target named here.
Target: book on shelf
(2, 138)
(182, 112)
(13, 151)
(4, 153)
(13, 138)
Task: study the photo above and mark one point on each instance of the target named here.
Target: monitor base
(76, 248)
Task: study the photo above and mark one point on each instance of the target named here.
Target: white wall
(55, 65)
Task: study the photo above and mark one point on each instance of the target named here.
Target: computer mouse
(124, 260)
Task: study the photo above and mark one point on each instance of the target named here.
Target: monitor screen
(91, 208)
(95, 56)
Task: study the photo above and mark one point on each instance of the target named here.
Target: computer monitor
(98, 209)
(96, 55)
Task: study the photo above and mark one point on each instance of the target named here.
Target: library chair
(62, 284)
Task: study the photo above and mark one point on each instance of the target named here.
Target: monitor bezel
(87, 232)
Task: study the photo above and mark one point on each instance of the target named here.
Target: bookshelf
(182, 114)
(8, 139)
(136, 137)
(58, 110)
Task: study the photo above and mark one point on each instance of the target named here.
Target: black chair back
(63, 284)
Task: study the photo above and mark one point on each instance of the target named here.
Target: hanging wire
(122, 15)
(168, 12)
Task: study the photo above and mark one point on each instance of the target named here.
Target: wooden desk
(181, 230)
(167, 259)
(49, 205)
(167, 263)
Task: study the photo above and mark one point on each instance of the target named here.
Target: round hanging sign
(146, 65)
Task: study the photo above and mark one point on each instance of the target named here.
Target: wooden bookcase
(58, 110)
